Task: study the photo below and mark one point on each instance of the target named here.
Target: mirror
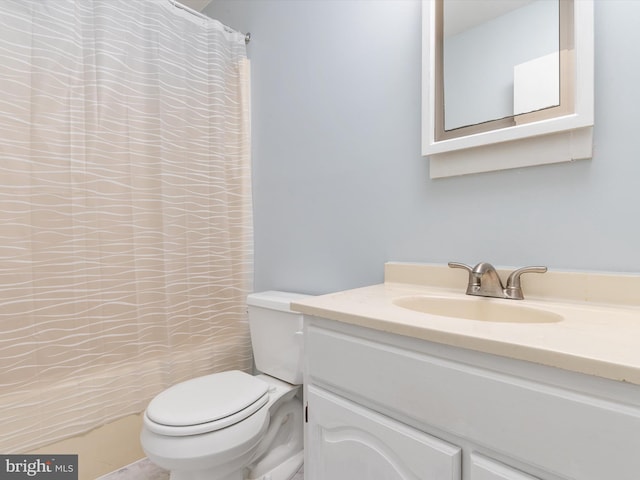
(485, 77)
(497, 71)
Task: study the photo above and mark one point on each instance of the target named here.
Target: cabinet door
(348, 442)
(483, 468)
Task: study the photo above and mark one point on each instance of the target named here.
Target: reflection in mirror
(485, 49)
(499, 61)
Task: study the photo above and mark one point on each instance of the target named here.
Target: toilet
(233, 425)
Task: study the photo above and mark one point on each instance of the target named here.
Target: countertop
(594, 338)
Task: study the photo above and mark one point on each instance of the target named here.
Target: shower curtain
(125, 209)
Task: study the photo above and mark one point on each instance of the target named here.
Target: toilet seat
(206, 404)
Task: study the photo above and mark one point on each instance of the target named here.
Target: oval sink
(477, 308)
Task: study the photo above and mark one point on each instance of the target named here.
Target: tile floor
(145, 470)
(140, 470)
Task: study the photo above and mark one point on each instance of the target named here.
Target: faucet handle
(513, 289)
(474, 281)
(460, 265)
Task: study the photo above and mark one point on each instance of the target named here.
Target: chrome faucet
(484, 281)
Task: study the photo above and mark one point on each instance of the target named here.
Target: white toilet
(232, 425)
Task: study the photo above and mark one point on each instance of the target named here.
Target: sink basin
(477, 308)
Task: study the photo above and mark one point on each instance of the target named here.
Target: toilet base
(285, 471)
(281, 453)
(203, 476)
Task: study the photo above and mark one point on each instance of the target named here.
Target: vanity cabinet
(352, 442)
(483, 468)
(382, 406)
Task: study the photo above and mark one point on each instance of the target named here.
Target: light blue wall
(339, 183)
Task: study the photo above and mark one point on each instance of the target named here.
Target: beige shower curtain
(125, 209)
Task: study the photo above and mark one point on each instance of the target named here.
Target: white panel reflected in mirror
(536, 84)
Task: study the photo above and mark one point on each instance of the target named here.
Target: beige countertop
(594, 336)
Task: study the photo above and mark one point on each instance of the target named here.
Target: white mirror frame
(559, 139)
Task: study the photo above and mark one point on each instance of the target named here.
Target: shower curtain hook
(247, 38)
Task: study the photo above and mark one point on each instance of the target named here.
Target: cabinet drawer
(352, 442)
(553, 429)
(483, 468)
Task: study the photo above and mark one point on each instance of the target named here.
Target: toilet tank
(276, 334)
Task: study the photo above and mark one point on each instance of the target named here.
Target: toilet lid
(207, 399)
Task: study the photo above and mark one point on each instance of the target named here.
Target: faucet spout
(488, 283)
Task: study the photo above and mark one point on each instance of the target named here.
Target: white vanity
(396, 393)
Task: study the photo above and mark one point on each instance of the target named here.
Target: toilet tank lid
(274, 300)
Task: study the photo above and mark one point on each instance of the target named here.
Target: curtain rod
(175, 3)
